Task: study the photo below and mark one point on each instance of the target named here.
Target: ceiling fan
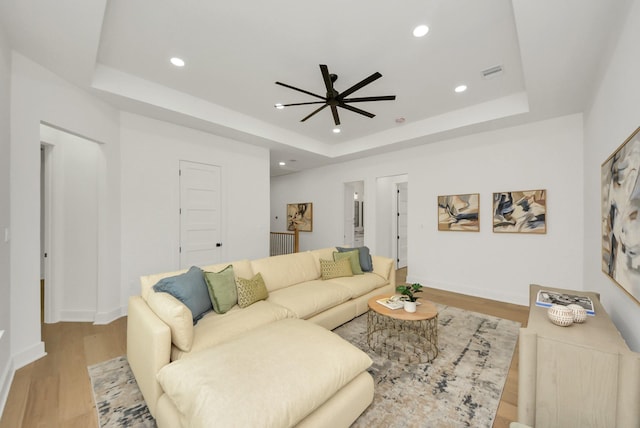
(335, 99)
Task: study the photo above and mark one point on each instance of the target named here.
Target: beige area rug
(460, 388)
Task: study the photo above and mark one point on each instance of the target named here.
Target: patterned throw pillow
(222, 289)
(251, 290)
(354, 259)
(335, 269)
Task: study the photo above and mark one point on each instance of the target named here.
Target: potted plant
(408, 292)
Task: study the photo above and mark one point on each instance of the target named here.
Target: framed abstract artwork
(520, 212)
(300, 216)
(621, 216)
(459, 212)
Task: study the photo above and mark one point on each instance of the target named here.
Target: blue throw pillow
(191, 289)
(365, 257)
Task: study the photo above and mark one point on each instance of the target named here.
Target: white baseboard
(5, 384)
(29, 355)
(108, 317)
(77, 316)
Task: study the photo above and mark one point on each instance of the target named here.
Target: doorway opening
(354, 197)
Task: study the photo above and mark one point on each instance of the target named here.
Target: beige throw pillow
(251, 290)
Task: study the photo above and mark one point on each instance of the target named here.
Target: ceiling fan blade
(364, 82)
(327, 79)
(314, 112)
(364, 99)
(336, 118)
(300, 90)
(303, 104)
(356, 110)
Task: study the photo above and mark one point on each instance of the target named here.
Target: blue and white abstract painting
(520, 212)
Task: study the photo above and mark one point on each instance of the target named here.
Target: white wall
(40, 96)
(543, 155)
(612, 117)
(5, 289)
(151, 151)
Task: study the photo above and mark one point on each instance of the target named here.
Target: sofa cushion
(311, 297)
(359, 285)
(335, 269)
(190, 288)
(176, 315)
(251, 290)
(322, 253)
(222, 289)
(353, 258)
(214, 329)
(285, 270)
(364, 255)
(228, 385)
(382, 266)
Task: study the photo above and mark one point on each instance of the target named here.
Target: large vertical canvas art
(459, 212)
(300, 216)
(621, 216)
(520, 212)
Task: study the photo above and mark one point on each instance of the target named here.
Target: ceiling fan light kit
(335, 99)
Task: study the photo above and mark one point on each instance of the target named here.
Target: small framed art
(520, 212)
(300, 216)
(459, 212)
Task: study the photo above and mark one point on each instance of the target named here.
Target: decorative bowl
(579, 313)
(560, 315)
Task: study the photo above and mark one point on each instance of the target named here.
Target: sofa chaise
(171, 357)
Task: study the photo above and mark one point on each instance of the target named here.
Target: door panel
(402, 225)
(200, 218)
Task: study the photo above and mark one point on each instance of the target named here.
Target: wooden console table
(583, 375)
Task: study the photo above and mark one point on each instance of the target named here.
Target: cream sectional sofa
(160, 331)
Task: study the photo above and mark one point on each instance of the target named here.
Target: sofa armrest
(384, 267)
(148, 348)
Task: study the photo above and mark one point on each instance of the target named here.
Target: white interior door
(402, 202)
(200, 218)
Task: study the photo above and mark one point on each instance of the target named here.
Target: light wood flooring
(55, 391)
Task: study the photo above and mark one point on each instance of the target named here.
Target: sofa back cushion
(286, 270)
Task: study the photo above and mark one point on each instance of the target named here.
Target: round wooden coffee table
(401, 335)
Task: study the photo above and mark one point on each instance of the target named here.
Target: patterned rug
(118, 399)
(460, 388)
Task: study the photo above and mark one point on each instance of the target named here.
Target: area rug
(460, 388)
(118, 399)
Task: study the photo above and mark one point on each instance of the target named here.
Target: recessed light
(420, 31)
(282, 163)
(460, 88)
(336, 130)
(400, 120)
(279, 106)
(178, 62)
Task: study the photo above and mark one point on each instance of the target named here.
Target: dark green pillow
(222, 289)
(354, 259)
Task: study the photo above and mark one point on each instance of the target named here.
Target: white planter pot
(410, 306)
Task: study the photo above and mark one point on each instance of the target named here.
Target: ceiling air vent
(492, 72)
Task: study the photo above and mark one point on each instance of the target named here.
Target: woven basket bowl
(560, 315)
(579, 313)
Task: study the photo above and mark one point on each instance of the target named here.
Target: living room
(138, 190)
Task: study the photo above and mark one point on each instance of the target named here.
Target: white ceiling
(552, 52)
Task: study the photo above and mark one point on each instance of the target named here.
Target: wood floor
(55, 391)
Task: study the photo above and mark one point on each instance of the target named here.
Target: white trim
(103, 318)
(77, 316)
(5, 384)
(29, 355)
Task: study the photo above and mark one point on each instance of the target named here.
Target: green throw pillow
(354, 259)
(335, 269)
(222, 289)
(251, 290)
